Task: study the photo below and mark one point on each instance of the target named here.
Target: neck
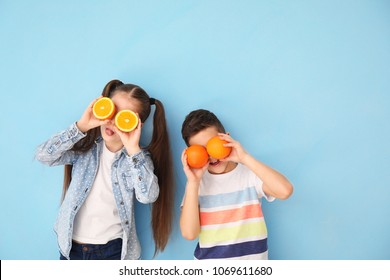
(113, 148)
(230, 166)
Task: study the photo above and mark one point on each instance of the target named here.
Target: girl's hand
(238, 154)
(192, 174)
(88, 120)
(130, 139)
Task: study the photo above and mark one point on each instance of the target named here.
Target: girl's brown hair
(159, 148)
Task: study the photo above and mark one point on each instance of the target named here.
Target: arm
(274, 183)
(189, 218)
(56, 150)
(141, 177)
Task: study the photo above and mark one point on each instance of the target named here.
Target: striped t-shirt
(231, 219)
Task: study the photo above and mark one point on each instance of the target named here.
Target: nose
(110, 123)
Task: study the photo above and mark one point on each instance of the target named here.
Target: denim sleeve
(143, 179)
(56, 150)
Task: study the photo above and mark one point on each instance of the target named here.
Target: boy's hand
(130, 139)
(88, 120)
(238, 154)
(192, 174)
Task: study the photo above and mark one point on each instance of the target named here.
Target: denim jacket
(130, 175)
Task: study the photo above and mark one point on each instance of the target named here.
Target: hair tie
(152, 101)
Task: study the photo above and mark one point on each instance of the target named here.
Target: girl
(104, 169)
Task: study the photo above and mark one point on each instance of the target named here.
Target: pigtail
(88, 141)
(162, 211)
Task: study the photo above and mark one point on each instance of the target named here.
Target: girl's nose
(110, 123)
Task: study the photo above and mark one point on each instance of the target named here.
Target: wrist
(81, 127)
(193, 184)
(246, 159)
(133, 150)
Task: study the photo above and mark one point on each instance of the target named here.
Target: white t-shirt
(97, 221)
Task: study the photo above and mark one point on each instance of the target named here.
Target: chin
(220, 168)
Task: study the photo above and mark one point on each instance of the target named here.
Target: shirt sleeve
(56, 150)
(259, 189)
(143, 179)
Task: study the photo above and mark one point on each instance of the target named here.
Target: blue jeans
(110, 251)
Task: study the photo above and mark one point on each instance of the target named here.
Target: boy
(221, 204)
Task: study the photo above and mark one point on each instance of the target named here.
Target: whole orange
(216, 149)
(197, 156)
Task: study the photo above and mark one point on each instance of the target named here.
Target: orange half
(126, 120)
(103, 108)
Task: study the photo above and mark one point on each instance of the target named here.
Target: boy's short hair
(198, 120)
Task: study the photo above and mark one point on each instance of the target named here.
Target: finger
(227, 138)
(184, 157)
(139, 125)
(224, 136)
(230, 144)
(205, 166)
(137, 131)
(118, 131)
(104, 122)
(93, 102)
(90, 108)
(186, 166)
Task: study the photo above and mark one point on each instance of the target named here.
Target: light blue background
(303, 85)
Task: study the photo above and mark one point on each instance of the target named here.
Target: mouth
(109, 131)
(215, 163)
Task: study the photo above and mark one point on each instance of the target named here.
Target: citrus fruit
(103, 108)
(216, 149)
(126, 120)
(197, 156)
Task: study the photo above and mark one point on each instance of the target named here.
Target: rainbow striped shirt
(231, 219)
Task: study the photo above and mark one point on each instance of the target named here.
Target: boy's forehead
(203, 136)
